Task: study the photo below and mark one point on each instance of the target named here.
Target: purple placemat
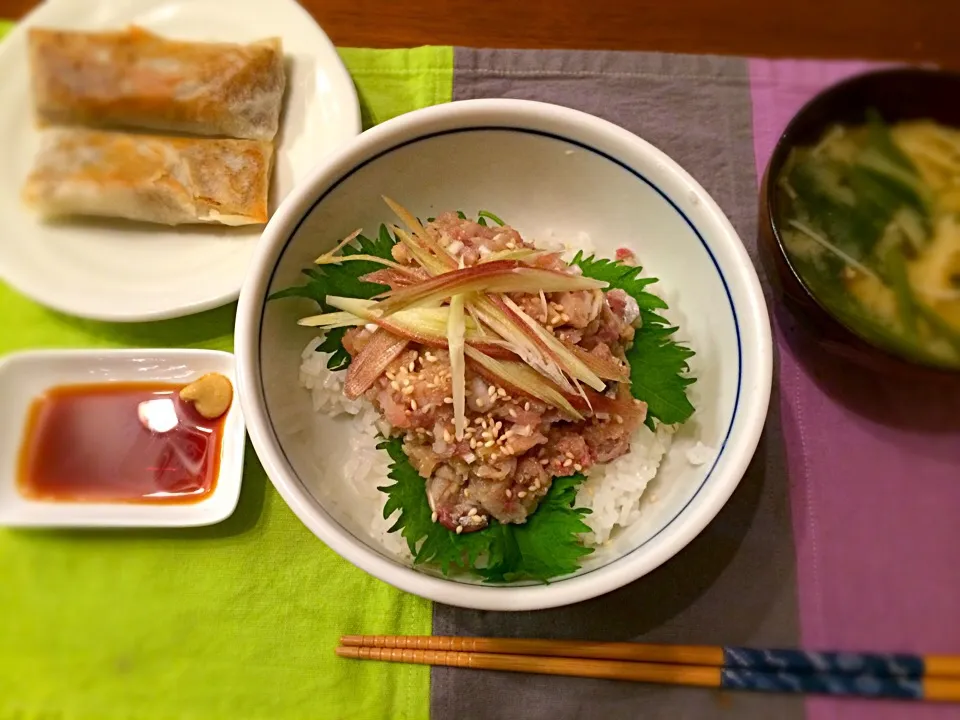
(841, 534)
(874, 469)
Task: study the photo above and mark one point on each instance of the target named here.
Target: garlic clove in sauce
(211, 395)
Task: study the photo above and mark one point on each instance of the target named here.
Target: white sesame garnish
(459, 529)
(522, 494)
(473, 511)
(433, 517)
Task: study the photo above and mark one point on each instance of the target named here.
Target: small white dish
(134, 272)
(24, 376)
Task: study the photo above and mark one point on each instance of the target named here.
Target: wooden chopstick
(766, 660)
(873, 686)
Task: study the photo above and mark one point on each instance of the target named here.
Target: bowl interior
(898, 95)
(549, 187)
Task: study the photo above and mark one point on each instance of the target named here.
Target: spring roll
(168, 180)
(135, 79)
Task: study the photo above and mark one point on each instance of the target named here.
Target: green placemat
(238, 620)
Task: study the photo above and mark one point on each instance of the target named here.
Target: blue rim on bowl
(751, 327)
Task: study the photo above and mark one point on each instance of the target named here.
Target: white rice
(566, 245)
(612, 491)
(367, 467)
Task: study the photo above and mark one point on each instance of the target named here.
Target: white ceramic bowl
(544, 169)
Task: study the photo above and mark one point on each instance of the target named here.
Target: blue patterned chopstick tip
(895, 665)
(856, 685)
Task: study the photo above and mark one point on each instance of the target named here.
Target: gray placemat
(735, 584)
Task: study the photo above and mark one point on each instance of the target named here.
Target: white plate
(132, 272)
(24, 376)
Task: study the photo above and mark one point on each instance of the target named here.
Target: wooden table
(914, 30)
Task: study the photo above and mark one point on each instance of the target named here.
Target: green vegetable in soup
(870, 218)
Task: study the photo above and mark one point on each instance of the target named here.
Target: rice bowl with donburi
(509, 401)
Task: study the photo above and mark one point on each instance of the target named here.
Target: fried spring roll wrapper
(168, 180)
(133, 78)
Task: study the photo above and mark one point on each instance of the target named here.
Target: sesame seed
(568, 462)
(473, 511)
(565, 317)
(578, 467)
(489, 443)
(408, 390)
(501, 392)
(486, 435)
(496, 428)
(526, 406)
(513, 413)
(448, 400)
(494, 456)
(466, 493)
(522, 494)
(544, 461)
(618, 419)
(405, 382)
(459, 529)
(391, 376)
(433, 517)
(508, 492)
(447, 437)
(413, 404)
(473, 444)
(480, 402)
(491, 391)
(569, 455)
(411, 366)
(477, 420)
(395, 385)
(512, 245)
